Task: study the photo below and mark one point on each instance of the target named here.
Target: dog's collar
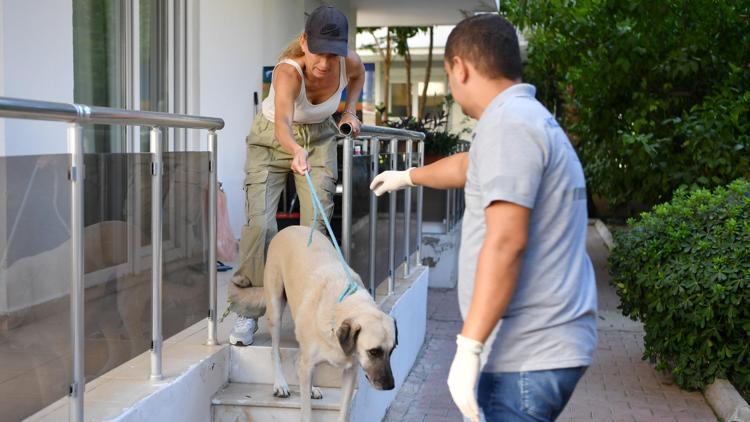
(350, 289)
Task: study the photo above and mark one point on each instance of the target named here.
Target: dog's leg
(349, 380)
(306, 389)
(274, 288)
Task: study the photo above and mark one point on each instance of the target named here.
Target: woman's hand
(299, 162)
(351, 119)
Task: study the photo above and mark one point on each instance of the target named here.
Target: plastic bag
(226, 244)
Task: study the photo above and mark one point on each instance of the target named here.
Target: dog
(310, 279)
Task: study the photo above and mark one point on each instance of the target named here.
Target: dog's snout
(385, 382)
(387, 385)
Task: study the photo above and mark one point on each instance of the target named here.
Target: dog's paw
(281, 390)
(315, 393)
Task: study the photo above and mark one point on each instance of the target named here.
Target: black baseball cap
(327, 31)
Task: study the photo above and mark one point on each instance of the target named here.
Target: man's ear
(460, 69)
(347, 336)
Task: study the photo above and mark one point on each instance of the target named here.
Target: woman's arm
(355, 73)
(287, 84)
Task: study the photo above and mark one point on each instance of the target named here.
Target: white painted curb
(727, 403)
(604, 233)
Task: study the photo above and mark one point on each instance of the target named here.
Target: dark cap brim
(324, 46)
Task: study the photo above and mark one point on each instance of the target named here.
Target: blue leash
(352, 286)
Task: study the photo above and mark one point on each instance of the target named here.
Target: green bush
(683, 269)
(655, 94)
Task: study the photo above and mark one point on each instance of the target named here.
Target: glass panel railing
(35, 352)
(434, 209)
(413, 240)
(400, 218)
(359, 217)
(83, 222)
(185, 247)
(35, 346)
(116, 292)
(381, 241)
(360, 252)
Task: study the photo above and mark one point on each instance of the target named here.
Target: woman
(294, 131)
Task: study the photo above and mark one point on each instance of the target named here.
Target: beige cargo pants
(266, 167)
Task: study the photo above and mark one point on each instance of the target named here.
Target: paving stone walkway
(619, 386)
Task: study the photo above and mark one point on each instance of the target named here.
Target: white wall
(36, 62)
(238, 38)
(282, 21)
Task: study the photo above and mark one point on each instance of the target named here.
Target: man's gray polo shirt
(521, 155)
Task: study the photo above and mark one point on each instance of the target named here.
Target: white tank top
(304, 111)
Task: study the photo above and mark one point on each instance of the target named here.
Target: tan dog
(310, 279)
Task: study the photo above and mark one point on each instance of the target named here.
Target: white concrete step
(238, 402)
(253, 365)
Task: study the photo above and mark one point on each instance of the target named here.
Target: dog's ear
(347, 336)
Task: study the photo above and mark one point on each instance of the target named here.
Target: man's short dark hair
(490, 43)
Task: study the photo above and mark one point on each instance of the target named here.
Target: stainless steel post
(346, 201)
(448, 210)
(212, 193)
(76, 175)
(393, 151)
(374, 169)
(454, 206)
(407, 209)
(420, 204)
(157, 165)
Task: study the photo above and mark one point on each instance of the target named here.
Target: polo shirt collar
(517, 90)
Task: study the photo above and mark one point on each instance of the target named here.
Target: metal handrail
(17, 108)
(390, 136)
(367, 131)
(80, 114)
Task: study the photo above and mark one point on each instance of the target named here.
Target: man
(523, 267)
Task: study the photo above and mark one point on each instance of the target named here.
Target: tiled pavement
(619, 386)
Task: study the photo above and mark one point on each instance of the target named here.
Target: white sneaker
(242, 334)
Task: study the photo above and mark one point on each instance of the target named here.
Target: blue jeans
(527, 396)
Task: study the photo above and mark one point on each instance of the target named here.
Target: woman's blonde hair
(293, 49)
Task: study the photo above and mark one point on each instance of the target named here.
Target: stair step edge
(261, 395)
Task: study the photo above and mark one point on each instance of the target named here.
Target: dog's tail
(249, 302)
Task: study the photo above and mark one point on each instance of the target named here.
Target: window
(130, 54)
(435, 98)
(399, 100)
(98, 66)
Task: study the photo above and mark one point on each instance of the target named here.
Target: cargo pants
(266, 167)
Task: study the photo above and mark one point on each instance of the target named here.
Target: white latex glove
(462, 378)
(391, 180)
